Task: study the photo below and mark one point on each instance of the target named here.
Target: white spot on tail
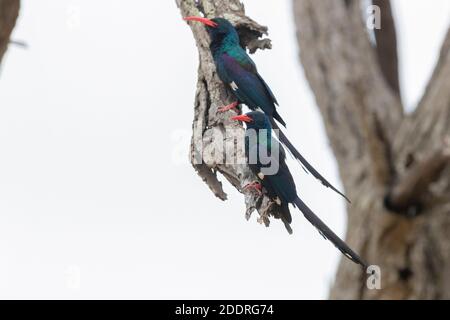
(261, 176)
(234, 86)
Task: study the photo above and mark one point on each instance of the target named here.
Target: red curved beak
(243, 118)
(205, 21)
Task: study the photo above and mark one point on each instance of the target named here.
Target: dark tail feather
(308, 167)
(328, 233)
(286, 212)
(285, 216)
(277, 117)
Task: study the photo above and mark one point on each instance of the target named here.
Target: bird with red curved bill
(239, 73)
(264, 154)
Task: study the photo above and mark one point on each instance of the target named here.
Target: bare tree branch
(9, 11)
(429, 124)
(440, 70)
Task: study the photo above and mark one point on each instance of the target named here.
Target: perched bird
(279, 184)
(238, 71)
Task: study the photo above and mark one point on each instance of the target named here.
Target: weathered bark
(386, 159)
(9, 10)
(210, 132)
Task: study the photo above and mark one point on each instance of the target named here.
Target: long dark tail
(328, 233)
(277, 117)
(306, 165)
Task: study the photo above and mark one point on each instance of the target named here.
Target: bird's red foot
(256, 186)
(233, 106)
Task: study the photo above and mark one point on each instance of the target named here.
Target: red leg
(233, 106)
(256, 186)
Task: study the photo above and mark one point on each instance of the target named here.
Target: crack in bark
(386, 48)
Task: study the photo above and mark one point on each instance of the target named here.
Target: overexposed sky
(94, 200)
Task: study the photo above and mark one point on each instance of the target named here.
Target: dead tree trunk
(9, 10)
(212, 138)
(394, 166)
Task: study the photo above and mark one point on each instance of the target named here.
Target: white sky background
(93, 203)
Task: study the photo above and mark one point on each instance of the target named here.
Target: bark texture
(394, 166)
(9, 11)
(212, 138)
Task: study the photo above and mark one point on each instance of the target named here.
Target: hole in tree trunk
(405, 274)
